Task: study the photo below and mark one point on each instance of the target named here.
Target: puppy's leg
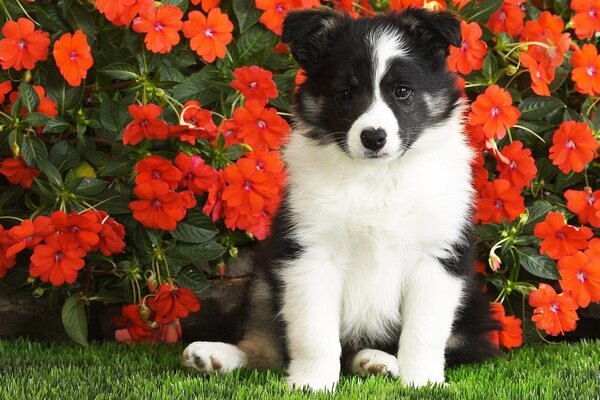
(208, 357)
(428, 311)
(373, 362)
(311, 312)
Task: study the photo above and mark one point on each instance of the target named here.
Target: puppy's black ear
(446, 25)
(304, 32)
(439, 28)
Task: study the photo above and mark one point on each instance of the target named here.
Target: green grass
(33, 370)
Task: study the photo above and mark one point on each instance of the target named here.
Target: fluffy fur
(370, 258)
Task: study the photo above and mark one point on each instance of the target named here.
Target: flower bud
(511, 70)
(27, 76)
(145, 312)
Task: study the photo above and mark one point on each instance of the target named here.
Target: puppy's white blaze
(386, 45)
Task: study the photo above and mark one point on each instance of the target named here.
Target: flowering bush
(139, 137)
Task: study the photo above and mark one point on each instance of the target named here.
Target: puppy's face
(373, 84)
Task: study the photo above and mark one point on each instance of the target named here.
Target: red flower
(469, 56)
(207, 5)
(547, 29)
(161, 25)
(171, 332)
(78, 228)
(132, 320)
(158, 207)
(196, 175)
(553, 313)
(18, 172)
(121, 12)
(509, 18)
(274, 13)
(73, 56)
(511, 334)
(540, 77)
(261, 127)
(111, 236)
(593, 250)
(574, 145)
(494, 110)
(214, 203)
(5, 88)
(155, 168)
(57, 261)
(230, 129)
(5, 262)
(560, 239)
(480, 172)
(520, 169)
(586, 204)
(194, 122)
(499, 200)
(586, 20)
(581, 276)
(22, 46)
(28, 234)
(145, 124)
(255, 83)
(172, 302)
(586, 69)
(209, 35)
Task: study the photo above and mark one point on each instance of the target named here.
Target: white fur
(372, 232)
(210, 354)
(374, 362)
(386, 46)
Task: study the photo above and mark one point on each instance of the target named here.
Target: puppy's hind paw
(206, 357)
(374, 362)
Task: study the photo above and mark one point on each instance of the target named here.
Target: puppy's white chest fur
(376, 221)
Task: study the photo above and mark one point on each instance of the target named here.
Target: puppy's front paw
(375, 362)
(314, 375)
(422, 374)
(208, 357)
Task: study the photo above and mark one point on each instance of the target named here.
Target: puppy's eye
(343, 95)
(402, 92)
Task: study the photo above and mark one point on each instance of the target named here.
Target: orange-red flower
(585, 204)
(593, 249)
(494, 110)
(171, 302)
(23, 46)
(559, 238)
(499, 200)
(18, 172)
(132, 320)
(509, 18)
(28, 234)
(274, 13)
(111, 236)
(196, 174)
(158, 207)
(574, 145)
(586, 69)
(547, 29)
(540, 77)
(171, 332)
(57, 261)
(480, 172)
(255, 83)
(469, 56)
(161, 25)
(520, 167)
(209, 35)
(121, 12)
(47, 106)
(206, 5)
(145, 124)
(511, 334)
(157, 168)
(554, 313)
(581, 276)
(6, 262)
(586, 20)
(260, 127)
(73, 57)
(194, 123)
(5, 88)
(81, 229)
(230, 129)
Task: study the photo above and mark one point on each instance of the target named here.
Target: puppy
(371, 255)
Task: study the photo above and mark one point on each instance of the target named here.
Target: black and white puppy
(369, 266)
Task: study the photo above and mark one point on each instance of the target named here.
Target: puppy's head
(373, 84)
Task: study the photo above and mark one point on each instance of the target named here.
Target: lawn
(33, 370)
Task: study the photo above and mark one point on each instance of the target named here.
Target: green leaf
(480, 12)
(36, 119)
(182, 4)
(29, 98)
(113, 117)
(537, 107)
(51, 172)
(255, 39)
(80, 17)
(119, 166)
(106, 296)
(66, 96)
(74, 320)
(49, 17)
(490, 67)
(234, 152)
(90, 186)
(537, 213)
(205, 86)
(121, 71)
(488, 232)
(33, 150)
(192, 234)
(246, 13)
(192, 279)
(538, 264)
(56, 125)
(181, 255)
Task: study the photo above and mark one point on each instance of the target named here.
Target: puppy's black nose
(373, 139)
